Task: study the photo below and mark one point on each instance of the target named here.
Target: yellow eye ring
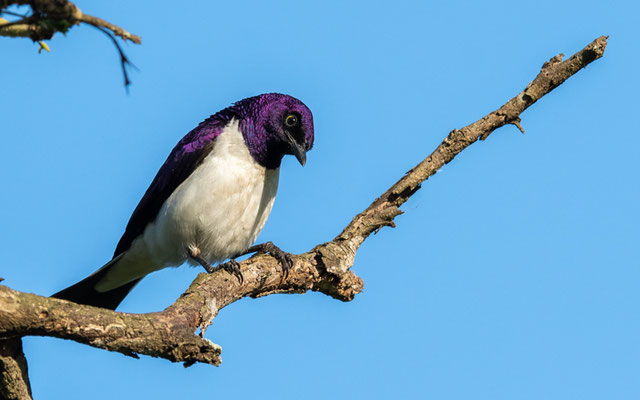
(291, 120)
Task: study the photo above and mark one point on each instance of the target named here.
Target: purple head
(274, 125)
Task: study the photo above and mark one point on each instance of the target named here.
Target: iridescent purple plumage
(255, 116)
(270, 125)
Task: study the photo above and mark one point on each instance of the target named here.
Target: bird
(209, 200)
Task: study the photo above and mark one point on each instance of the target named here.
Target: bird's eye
(291, 121)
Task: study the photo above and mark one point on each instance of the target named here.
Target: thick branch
(14, 377)
(168, 334)
(326, 268)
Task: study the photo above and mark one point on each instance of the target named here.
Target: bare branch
(553, 73)
(168, 334)
(171, 334)
(52, 16)
(19, 28)
(98, 22)
(39, 26)
(14, 377)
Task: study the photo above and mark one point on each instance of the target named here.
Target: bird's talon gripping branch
(228, 166)
(268, 247)
(233, 267)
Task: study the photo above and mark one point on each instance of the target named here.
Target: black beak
(297, 149)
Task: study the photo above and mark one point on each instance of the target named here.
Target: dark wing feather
(182, 161)
(84, 292)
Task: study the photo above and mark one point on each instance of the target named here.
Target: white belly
(219, 209)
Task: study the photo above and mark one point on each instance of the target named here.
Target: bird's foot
(194, 253)
(233, 267)
(285, 258)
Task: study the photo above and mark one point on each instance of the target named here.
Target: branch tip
(516, 122)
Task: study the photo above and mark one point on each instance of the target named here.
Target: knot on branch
(204, 351)
(334, 260)
(336, 257)
(553, 60)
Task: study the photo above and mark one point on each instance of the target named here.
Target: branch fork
(51, 16)
(171, 334)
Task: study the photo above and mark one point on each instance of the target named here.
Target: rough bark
(171, 334)
(14, 375)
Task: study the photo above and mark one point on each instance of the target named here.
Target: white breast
(219, 209)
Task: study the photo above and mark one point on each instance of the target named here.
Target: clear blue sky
(514, 273)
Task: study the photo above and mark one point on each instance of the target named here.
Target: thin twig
(13, 14)
(98, 22)
(4, 24)
(124, 61)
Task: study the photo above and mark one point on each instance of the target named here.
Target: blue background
(513, 274)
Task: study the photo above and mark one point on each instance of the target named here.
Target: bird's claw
(285, 258)
(233, 267)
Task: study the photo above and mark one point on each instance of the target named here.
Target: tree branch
(51, 16)
(34, 29)
(14, 376)
(171, 334)
(98, 22)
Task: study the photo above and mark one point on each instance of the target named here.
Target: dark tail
(84, 292)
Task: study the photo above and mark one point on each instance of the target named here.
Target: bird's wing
(182, 161)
